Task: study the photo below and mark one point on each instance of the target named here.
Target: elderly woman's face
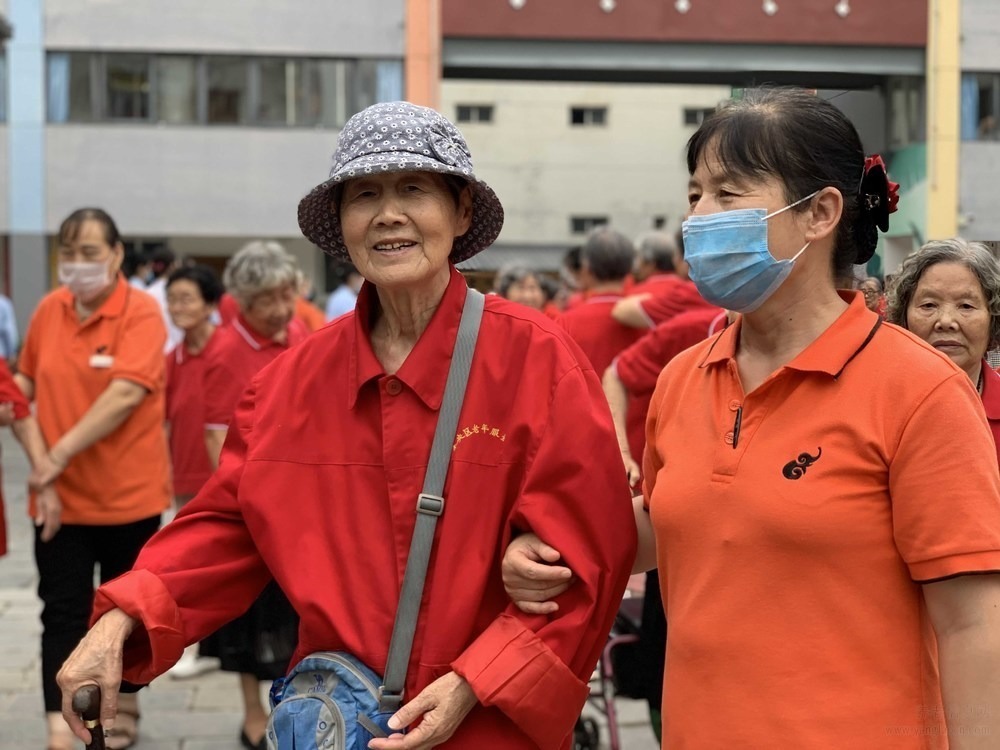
(187, 308)
(527, 291)
(949, 311)
(270, 312)
(399, 228)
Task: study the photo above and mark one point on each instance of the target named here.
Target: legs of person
(117, 550)
(66, 588)
(254, 713)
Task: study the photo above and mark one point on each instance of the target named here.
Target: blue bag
(329, 701)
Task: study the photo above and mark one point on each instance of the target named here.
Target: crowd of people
(800, 458)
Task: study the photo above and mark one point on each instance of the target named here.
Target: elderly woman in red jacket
(327, 452)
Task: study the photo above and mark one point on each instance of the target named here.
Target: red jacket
(319, 476)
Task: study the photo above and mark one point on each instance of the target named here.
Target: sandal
(125, 731)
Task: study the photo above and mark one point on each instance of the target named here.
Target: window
(659, 222)
(981, 106)
(127, 80)
(588, 116)
(180, 89)
(474, 112)
(907, 112)
(227, 89)
(71, 95)
(696, 115)
(176, 89)
(583, 224)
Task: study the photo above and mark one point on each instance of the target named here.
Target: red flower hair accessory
(877, 194)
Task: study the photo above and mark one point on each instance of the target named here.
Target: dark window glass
(583, 116)
(696, 115)
(70, 87)
(583, 224)
(324, 98)
(474, 113)
(227, 89)
(127, 79)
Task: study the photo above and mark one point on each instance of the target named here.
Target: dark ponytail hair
(802, 140)
(70, 227)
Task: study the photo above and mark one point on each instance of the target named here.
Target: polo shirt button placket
(734, 405)
(728, 438)
(393, 387)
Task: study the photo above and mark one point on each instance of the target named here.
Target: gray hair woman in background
(263, 279)
(948, 294)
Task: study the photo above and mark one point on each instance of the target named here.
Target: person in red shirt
(811, 460)
(607, 258)
(948, 294)
(192, 295)
(328, 448)
(654, 272)
(264, 280)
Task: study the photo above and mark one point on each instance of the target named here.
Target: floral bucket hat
(399, 137)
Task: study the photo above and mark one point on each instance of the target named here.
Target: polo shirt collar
(256, 341)
(112, 307)
(829, 353)
(991, 391)
(426, 368)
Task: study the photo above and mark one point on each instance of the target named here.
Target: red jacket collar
(426, 368)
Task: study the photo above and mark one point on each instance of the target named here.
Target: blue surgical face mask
(729, 258)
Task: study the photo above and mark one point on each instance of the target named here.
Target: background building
(196, 124)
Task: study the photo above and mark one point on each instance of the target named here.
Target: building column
(943, 116)
(423, 52)
(26, 158)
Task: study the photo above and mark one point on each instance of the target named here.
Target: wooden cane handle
(87, 703)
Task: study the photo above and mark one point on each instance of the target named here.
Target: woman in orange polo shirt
(948, 293)
(93, 364)
(824, 501)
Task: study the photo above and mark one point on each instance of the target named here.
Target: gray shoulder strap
(430, 505)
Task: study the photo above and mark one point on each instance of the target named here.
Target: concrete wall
(978, 216)
(332, 27)
(546, 171)
(980, 35)
(185, 181)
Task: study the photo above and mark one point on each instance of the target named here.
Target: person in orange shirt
(93, 364)
(823, 496)
(305, 310)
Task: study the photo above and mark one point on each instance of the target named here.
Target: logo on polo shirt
(796, 469)
(483, 429)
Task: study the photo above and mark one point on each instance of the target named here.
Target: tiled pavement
(202, 713)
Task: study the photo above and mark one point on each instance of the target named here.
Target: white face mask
(85, 280)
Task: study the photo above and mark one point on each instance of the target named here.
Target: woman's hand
(48, 512)
(440, 707)
(6, 414)
(530, 577)
(632, 469)
(46, 470)
(97, 660)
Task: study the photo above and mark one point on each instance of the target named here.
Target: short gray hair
(657, 248)
(512, 274)
(973, 255)
(259, 266)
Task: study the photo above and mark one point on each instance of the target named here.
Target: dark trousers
(66, 585)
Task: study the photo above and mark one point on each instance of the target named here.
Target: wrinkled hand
(6, 414)
(530, 577)
(632, 468)
(48, 512)
(97, 660)
(45, 472)
(440, 707)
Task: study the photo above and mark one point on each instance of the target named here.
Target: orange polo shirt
(310, 316)
(794, 527)
(124, 477)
